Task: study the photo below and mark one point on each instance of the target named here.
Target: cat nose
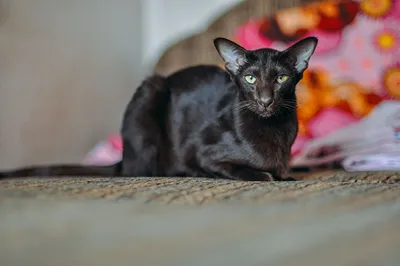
(266, 101)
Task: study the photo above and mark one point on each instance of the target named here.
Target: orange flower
(308, 104)
(376, 8)
(387, 40)
(319, 83)
(291, 20)
(391, 79)
(303, 130)
(356, 98)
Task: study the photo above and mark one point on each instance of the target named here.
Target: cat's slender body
(238, 123)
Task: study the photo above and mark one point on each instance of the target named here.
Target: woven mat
(196, 190)
(329, 218)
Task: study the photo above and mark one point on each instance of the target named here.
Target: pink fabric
(333, 119)
(355, 66)
(105, 152)
(116, 141)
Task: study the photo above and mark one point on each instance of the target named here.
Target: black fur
(205, 121)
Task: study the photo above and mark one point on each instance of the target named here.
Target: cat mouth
(259, 109)
(262, 110)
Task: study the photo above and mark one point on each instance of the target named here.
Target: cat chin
(266, 113)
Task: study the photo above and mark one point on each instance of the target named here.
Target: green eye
(282, 78)
(250, 79)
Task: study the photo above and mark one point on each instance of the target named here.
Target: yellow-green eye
(250, 79)
(282, 78)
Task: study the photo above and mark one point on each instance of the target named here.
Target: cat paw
(255, 176)
(287, 179)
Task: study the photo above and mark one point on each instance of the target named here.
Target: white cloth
(372, 162)
(378, 133)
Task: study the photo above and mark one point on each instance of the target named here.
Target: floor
(327, 218)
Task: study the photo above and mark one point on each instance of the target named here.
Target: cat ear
(233, 54)
(301, 52)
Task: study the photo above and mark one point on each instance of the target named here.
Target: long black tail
(63, 171)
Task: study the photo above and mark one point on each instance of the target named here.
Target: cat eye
(282, 78)
(250, 79)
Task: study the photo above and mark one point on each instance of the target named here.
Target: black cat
(205, 121)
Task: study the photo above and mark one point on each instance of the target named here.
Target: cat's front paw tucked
(259, 176)
(270, 177)
(289, 178)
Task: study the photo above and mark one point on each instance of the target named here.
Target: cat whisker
(290, 101)
(243, 106)
(288, 106)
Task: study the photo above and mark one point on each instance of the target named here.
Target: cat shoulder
(200, 70)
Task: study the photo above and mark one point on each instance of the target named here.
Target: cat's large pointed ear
(233, 54)
(301, 52)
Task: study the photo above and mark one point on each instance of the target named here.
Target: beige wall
(69, 67)
(67, 70)
(183, 17)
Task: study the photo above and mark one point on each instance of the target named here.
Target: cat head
(266, 77)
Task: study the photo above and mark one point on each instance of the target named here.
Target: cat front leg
(238, 172)
(281, 173)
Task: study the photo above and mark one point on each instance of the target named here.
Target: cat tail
(63, 171)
